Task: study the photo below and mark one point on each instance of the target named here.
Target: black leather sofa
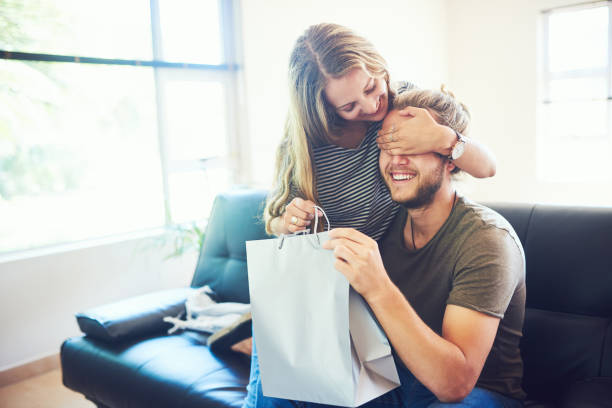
(126, 359)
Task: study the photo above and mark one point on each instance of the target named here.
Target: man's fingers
(343, 267)
(350, 234)
(341, 245)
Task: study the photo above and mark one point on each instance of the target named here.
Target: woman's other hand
(414, 131)
(298, 214)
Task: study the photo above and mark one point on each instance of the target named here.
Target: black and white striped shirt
(350, 188)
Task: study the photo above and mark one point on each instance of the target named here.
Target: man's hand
(358, 258)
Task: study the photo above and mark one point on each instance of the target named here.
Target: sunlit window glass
(113, 29)
(192, 192)
(574, 137)
(196, 132)
(196, 119)
(79, 155)
(578, 39)
(190, 31)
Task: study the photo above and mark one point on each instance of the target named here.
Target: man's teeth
(402, 176)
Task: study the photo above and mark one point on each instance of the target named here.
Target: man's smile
(402, 176)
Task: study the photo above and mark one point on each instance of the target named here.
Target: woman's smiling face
(358, 96)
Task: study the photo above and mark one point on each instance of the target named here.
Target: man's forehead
(392, 116)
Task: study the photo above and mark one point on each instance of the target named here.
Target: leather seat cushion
(590, 393)
(159, 371)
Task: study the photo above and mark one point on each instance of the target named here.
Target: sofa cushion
(236, 217)
(133, 317)
(559, 349)
(158, 371)
(589, 393)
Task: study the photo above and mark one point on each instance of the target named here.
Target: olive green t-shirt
(475, 261)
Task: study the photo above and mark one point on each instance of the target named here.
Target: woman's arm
(476, 159)
(415, 131)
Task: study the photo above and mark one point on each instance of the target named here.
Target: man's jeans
(411, 394)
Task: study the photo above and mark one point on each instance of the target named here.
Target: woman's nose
(370, 106)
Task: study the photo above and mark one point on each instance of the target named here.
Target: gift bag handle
(281, 239)
(316, 207)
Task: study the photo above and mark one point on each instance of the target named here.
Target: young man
(448, 282)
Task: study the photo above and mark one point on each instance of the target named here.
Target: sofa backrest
(236, 217)
(567, 334)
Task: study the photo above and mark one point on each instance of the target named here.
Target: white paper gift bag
(316, 338)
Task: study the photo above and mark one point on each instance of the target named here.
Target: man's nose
(400, 159)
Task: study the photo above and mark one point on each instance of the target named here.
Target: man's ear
(450, 166)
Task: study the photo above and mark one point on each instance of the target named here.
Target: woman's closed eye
(348, 108)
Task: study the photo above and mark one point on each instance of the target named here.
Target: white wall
(39, 296)
(493, 51)
(410, 35)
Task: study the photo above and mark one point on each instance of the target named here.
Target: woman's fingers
(295, 221)
(306, 206)
(298, 214)
(409, 111)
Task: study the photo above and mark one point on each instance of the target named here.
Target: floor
(43, 391)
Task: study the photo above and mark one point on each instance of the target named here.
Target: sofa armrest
(133, 317)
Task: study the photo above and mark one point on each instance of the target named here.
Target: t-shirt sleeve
(489, 267)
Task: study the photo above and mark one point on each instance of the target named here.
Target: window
(115, 116)
(575, 138)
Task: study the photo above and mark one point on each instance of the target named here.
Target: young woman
(339, 93)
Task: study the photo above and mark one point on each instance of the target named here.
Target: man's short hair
(448, 110)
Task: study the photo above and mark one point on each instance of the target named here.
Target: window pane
(578, 88)
(79, 155)
(192, 193)
(583, 120)
(576, 143)
(109, 29)
(190, 31)
(196, 119)
(578, 39)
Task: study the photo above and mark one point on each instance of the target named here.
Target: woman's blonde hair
(449, 111)
(324, 51)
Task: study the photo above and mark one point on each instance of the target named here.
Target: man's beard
(427, 190)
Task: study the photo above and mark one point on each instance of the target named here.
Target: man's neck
(423, 223)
